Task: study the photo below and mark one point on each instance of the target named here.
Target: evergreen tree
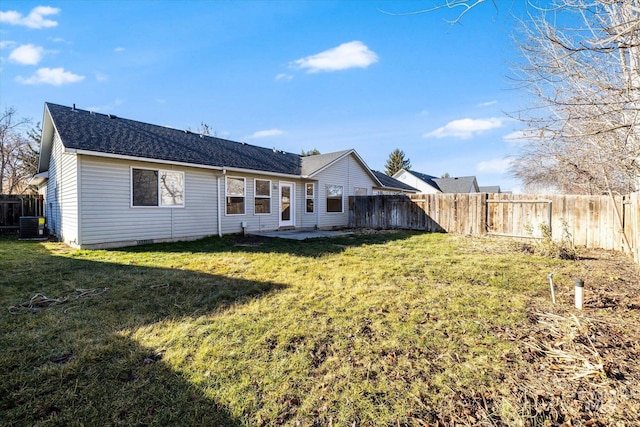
(396, 161)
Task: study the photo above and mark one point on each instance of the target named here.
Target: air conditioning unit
(32, 227)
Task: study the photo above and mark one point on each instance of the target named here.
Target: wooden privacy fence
(12, 207)
(590, 221)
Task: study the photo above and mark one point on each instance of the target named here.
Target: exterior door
(287, 204)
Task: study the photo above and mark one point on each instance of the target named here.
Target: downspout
(219, 204)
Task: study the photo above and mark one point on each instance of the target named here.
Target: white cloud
(35, 18)
(59, 40)
(267, 133)
(494, 166)
(6, 44)
(353, 54)
(465, 128)
(487, 104)
(51, 76)
(106, 107)
(283, 76)
(522, 137)
(27, 54)
(101, 77)
(119, 49)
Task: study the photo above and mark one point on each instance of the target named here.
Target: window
(235, 190)
(262, 201)
(309, 197)
(360, 191)
(157, 188)
(334, 198)
(171, 188)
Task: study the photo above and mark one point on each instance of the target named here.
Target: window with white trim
(334, 198)
(310, 197)
(154, 187)
(262, 198)
(235, 192)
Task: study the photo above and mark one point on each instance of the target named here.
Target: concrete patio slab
(301, 234)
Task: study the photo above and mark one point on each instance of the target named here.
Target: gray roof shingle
(490, 189)
(84, 130)
(461, 184)
(312, 164)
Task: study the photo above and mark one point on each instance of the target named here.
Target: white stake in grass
(553, 295)
(579, 293)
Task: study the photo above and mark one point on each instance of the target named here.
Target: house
(392, 185)
(109, 182)
(490, 189)
(431, 185)
(461, 184)
(423, 182)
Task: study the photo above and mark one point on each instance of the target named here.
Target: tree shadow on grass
(72, 363)
(312, 248)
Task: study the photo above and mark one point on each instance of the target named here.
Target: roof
(92, 133)
(490, 189)
(460, 184)
(314, 164)
(422, 176)
(389, 182)
(100, 133)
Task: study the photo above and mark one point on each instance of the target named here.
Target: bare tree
(583, 126)
(313, 152)
(459, 7)
(17, 152)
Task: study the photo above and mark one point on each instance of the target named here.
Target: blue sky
(293, 75)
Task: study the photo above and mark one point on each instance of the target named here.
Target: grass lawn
(375, 329)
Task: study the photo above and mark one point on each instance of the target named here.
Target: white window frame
(256, 196)
(159, 201)
(243, 195)
(311, 197)
(334, 198)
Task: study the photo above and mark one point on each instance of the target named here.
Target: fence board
(12, 207)
(590, 221)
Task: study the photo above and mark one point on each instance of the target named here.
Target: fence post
(484, 214)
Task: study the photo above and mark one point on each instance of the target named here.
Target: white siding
(260, 222)
(307, 220)
(415, 182)
(109, 219)
(349, 173)
(61, 206)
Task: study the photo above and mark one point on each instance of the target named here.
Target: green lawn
(380, 329)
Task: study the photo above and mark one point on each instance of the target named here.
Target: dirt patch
(572, 367)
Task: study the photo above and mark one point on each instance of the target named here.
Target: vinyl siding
(307, 220)
(349, 173)
(108, 217)
(415, 182)
(259, 222)
(61, 209)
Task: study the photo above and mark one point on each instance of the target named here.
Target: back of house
(109, 181)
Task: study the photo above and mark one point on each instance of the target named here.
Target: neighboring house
(490, 189)
(462, 184)
(423, 182)
(431, 185)
(392, 185)
(109, 182)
